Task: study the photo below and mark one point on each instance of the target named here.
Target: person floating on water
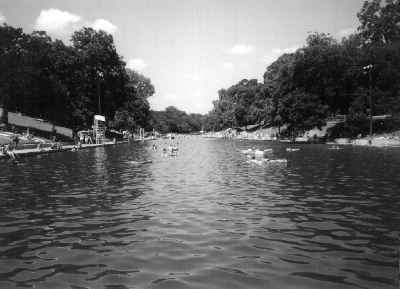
(164, 152)
(154, 147)
(173, 150)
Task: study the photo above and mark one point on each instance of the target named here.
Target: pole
(370, 101)
(98, 94)
(369, 69)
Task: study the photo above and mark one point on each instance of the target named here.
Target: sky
(191, 48)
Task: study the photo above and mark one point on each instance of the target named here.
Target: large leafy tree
(278, 79)
(63, 83)
(175, 120)
(12, 58)
(30, 74)
(302, 111)
(380, 22)
(102, 71)
(244, 103)
(135, 111)
(324, 78)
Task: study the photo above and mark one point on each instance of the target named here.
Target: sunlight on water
(204, 219)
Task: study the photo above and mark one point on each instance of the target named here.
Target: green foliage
(324, 78)
(176, 121)
(244, 103)
(357, 116)
(380, 21)
(135, 111)
(302, 111)
(50, 80)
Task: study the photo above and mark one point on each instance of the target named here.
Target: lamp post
(99, 120)
(368, 69)
(99, 76)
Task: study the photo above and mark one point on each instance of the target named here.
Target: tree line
(176, 121)
(69, 84)
(324, 78)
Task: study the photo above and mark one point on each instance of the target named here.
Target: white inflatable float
(267, 161)
(256, 152)
(292, 149)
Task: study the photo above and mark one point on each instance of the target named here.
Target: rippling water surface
(205, 219)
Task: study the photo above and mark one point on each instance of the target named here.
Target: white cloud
(136, 64)
(227, 65)
(105, 25)
(63, 23)
(346, 32)
(241, 49)
(276, 52)
(57, 21)
(2, 18)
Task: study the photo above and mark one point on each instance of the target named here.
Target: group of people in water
(171, 150)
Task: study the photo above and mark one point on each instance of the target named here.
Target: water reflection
(205, 219)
